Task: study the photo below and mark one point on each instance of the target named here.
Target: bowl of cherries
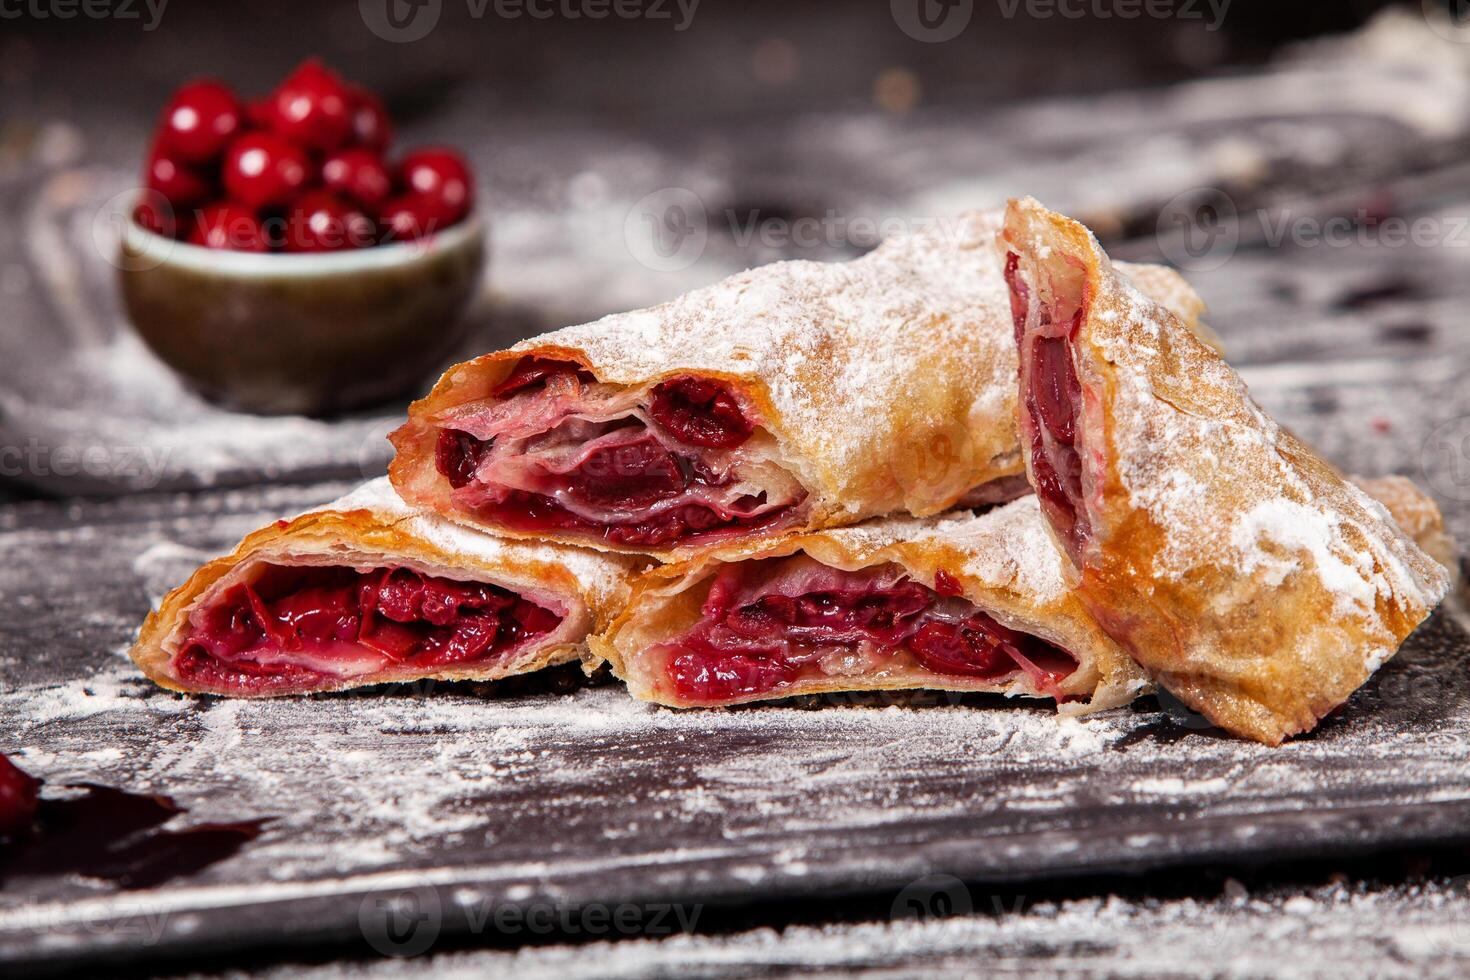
(281, 260)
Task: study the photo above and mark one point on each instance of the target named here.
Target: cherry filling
(532, 372)
(769, 624)
(700, 412)
(18, 795)
(552, 449)
(297, 627)
(1052, 394)
(457, 455)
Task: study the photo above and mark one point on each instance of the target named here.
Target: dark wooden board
(590, 797)
(455, 797)
(1403, 931)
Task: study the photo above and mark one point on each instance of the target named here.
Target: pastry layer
(367, 591)
(795, 396)
(1241, 571)
(963, 602)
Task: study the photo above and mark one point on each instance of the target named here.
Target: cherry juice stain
(117, 836)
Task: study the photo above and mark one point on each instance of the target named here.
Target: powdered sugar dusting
(1412, 931)
(1215, 473)
(1005, 547)
(1299, 528)
(1221, 479)
(604, 576)
(1011, 545)
(857, 357)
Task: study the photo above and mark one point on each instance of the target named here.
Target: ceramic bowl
(315, 333)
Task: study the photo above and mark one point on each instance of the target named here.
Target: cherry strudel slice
(795, 396)
(963, 603)
(367, 591)
(1245, 574)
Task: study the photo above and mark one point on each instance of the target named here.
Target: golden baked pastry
(1242, 572)
(367, 591)
(960, 603)
(795, 396)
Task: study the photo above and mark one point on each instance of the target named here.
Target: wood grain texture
(523, 796)
(1408, 932)
(590, 797)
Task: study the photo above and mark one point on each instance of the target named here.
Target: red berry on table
(260, 113)
(18, 792)
(370, 124)
(358, 174)
(263, 170)
(441, 176)
(323, 222)
(181, 184)
(313, 108)
(199, 122)
(229, 226)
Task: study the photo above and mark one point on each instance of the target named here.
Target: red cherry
(18, 798)
(313, 108)
(261, 113)
(442, 176)
(370, 124)
(227, 225)
(199, 122)
(409, 217)
(263, 170)
(182, 185)
(323, 222)
(156, 216)
(358, 174)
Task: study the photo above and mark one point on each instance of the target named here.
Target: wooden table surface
(895, 834)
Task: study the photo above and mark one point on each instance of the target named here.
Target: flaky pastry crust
(1004, 564)
(887, 382)
(372, 527)
(1240, 570)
